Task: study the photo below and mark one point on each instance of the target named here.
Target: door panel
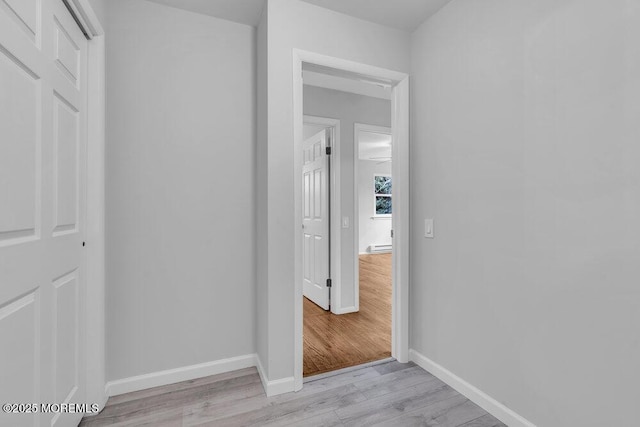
(24, 13)
(315, 221)
(43, 130)
(65, 163)
(20, 326)
(67, 53)
(19, 177)
(65, 335)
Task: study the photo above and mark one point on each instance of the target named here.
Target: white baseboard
(171, 376)
(486, 402)
(275, 387)
(102, 402)
(345, 310)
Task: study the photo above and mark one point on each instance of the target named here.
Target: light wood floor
(390, 394)
(333, 342)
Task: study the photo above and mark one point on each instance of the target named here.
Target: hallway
(388, 394)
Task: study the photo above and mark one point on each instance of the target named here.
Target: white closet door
(43, 128)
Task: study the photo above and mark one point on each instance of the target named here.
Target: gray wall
(525, 150)
(349, 108)
(180, 188)
(261, 193)
(294, 24)
(100, 7)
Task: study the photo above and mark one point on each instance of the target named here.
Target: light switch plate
(345, 222)
(428, 228)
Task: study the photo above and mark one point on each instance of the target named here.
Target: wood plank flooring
(333, 342)
(390, 394)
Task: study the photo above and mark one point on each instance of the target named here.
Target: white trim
(336, 209)
(346, 310)
(273, 388)
(400, 126)
(347, 369)
(87, 18)
(343, 84)
(376, 74)
(94, 310)
(95, 231)
(298, 294)
(263, 376)
(400, 221)
(185, 373)
(477, 396)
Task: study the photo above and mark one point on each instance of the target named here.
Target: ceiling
(242, 11)
(401, 14)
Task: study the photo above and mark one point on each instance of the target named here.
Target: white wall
(180, 188)
(295, 24)
(349, 108)
(371, 230)
(526, 151)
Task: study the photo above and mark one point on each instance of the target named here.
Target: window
(382, 194)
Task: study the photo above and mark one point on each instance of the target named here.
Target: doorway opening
(335, 337)
(352, 282)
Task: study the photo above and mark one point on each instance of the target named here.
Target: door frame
(399, 83)
(94, 310)
(335, 230)
(357, 128)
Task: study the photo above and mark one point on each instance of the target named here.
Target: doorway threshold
(348, 369)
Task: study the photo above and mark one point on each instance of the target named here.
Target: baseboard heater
(376, 249)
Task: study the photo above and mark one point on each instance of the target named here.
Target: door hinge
(328, 283)
(392, 234)
(328, 151)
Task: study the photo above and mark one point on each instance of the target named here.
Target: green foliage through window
(382, 190)
(382, 184)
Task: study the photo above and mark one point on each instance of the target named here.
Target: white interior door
(43, 98)
(315, 220)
